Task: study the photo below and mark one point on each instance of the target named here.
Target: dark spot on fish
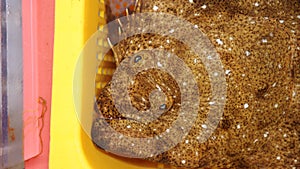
(225, 123)
(261, 92)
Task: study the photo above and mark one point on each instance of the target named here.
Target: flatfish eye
(141, 57)
(163, 107)
(137, 58)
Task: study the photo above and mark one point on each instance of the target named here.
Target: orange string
(43, 103)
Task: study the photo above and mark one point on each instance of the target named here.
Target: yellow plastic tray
(70, 146)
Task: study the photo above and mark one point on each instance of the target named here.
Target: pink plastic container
(38, 35)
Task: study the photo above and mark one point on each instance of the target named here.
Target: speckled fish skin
(118, 7)
(258, 42)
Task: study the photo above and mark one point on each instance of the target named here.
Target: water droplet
(238, 126)
(155, 8)
(204, 6)
(211, 103)
(278, 157)
(281, 21)
(227, 72)
(264, 40)
(159, 64)
(186, 141)
(256, 4)
(219, 41)
(247, 53)
(158, 87)
(172, 31)
(183, 161)
(204, 126)
(246, 105)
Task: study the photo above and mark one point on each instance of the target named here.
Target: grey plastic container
(11, 87)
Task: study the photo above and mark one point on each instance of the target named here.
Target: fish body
(257, 46)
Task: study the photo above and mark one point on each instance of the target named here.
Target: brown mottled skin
(261, 53)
